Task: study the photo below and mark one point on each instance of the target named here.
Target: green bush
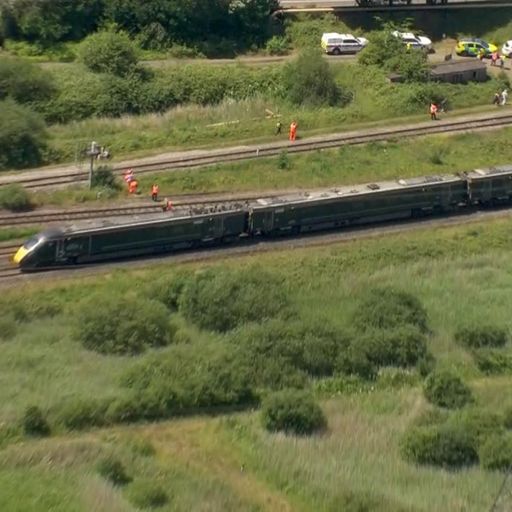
(8, 326)
(278, 354)
(146, 494)
(34, 422)
(168, 290)
(24, 82)
(381, 47)
(27, 307)
(496, 453)
(113, 470)
(403, 346)
(182, 381)
(112, 324)
(507, 418)
(388, 308)
(482, 336)
(81, 413)
(104, 177)
(426, 364)
(292, 412)
(22, 136)
(445, 446)
(309, 80)
(492, 362)
(446, 389)
(223, 299)
(356, 361)
(277, 45)
(478, 423)
(108, 52)
(15, 198)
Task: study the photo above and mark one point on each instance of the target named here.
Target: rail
(272, 149)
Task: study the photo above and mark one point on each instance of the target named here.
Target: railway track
(34, 218)
(208, 158)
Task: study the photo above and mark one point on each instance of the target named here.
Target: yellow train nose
(20, 254)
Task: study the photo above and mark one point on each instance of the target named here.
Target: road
(347, 5)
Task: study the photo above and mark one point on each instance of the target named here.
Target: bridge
(296, 6)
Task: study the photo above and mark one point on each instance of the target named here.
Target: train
(390, 3)
(290, 214)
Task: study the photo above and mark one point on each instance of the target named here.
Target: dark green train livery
(289, 214)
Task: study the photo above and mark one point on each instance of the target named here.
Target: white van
(338, 44)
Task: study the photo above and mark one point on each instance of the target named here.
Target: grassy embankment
(344, 166)
(229, 463)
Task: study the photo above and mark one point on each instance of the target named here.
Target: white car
(506, 49)
(338, 44)
(416, 42)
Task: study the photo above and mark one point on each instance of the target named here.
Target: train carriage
(357, 205)
(86, 244)
(490, 186)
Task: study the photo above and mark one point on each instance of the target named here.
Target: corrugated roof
(458, 67)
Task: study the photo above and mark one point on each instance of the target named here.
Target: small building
(460, 72)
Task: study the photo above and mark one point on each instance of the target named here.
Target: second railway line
(214, 157)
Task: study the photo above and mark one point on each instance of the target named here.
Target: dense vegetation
(356, 321)
(210, 25)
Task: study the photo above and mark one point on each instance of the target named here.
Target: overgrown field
(357, 325)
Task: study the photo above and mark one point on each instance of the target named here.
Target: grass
(345, 166)
(10, 234)
(228, 462)
(231, 121)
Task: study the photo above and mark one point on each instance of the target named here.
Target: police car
(338, 44)
(413, 41)
(472, 47)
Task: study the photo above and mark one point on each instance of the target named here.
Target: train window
(31, 243)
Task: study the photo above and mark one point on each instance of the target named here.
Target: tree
(108, 52)
(389, 52)
(22, 136)
(310, 81)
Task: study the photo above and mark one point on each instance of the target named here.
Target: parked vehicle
(472, 47)
(339, 44)
(413, 41)
(506, 49)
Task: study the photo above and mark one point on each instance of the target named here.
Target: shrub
(22, 136)
(355, 361)
(426, 364)
(104, 177)
(168, 290)
(496, 453)
(446, 446)
(309, 80)
(388, 308)
(220, 299)
(482, 336)
(113, 470)
(34, 423)
(108, 52)
(146, 494)
(478, 423)
(492, 362)
(381, 47)
(403, 346)
(80, 413)
(112, 324)
(8, 326)
(15, 198)
(277, 45)
(292, 412)
(445, 389)
(24, 82)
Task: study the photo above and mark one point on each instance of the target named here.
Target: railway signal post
(93, 154)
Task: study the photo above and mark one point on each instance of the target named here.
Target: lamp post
(93, 154)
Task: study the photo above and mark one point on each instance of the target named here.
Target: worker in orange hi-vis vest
(293, 131)
(154, 192)
(132, 186)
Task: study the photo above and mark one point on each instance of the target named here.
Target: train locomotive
(267, 217)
